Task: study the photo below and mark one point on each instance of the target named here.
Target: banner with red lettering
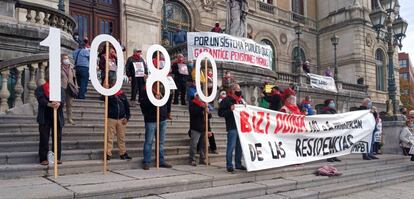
(227, 48)
(272, 139)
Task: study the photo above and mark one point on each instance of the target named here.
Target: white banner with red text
(227, 48)
(272, 139)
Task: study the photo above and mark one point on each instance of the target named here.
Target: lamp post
(335, 41)
(164, 37)
(298, 31)
(383, 18)
(61, 5)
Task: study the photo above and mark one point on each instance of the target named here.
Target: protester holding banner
(290, 106)
(118, 117)
(81, 57)
(181, 74)
(234, 96)
(197, 128)
(274, 99)
(377, 132)
(330, 108)
(45, 120)
(289, 91)
(150, 120)
(306, 104)
(69, 84)
(407, 138)
(136, 70)
(367, 105)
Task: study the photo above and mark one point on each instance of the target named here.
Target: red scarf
(294, 108)
(237, 99)
(46, 89)
(198, 103)
(136, 57)
(120, 92)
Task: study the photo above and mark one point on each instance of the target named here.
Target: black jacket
(275, 102)
(130, 70)
(178, 76)
(118, 107)
(327, 110)
(362, 108)
(197, 118)
(44, 112)
(226, 112)
(149, 110)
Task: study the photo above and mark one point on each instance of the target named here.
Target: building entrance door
(96, 17)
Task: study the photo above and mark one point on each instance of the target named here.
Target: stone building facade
(139, 24)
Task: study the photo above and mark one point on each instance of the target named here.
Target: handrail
(21, 61)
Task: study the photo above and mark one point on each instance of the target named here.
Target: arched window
(177, 15)
(380, 69)
(273, 60)
(295, 59)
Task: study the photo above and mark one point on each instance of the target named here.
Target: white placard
(53, 42)
(172, 83)
(183, 69)
(272, 139)
(411, 152)
(139, 69)
(323, 82)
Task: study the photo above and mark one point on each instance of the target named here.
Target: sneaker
(230, 170)
(125, 157)
(330, 160)
(44, 163)
(365, 157)
(243, 168)
(146, 167)
(373, 157)
(214, 152)
(108, 157)
(165, 165)
(193, 163)
(336, 159)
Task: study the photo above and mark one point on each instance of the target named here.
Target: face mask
(66, 62)
(331, 105)
(238, 93)
(292, 100)
(369, 106)
(76, 38)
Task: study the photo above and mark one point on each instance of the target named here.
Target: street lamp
(164, 37)
(335, 41)
(395, 32)
(61, 5)
(298, 31)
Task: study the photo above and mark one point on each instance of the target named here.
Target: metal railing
(266, 7)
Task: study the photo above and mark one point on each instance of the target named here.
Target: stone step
(91, 144)
(76, 136)
(13, 158)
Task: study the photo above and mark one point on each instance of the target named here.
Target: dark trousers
(82, 77)
(181, 90)
(137, 86)
(211, 142)
(44, 134)
(169, 103)
(406, 151)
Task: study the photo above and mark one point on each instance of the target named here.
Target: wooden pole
(55, 150)
(206, 110)
(158, 116)
(106, 85)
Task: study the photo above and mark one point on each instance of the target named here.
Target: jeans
(150, 131)
(370, 153)
(233, 142)
(82, 76)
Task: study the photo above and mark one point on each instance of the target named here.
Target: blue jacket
(81, 57)
(308, 107)
(180, 37)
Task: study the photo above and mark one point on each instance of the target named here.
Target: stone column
(18, 89)
(4, 93)
(32, 83)
(42, 67)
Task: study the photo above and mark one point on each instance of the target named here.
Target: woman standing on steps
(69, 84)
(406, 138)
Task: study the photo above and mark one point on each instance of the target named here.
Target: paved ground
(397, 191)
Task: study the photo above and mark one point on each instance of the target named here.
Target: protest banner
(227, 48)
(323, 82)
(272, 139)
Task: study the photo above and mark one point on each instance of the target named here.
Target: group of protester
(75, 79)
(407, 133)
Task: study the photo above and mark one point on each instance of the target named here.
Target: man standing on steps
(197, 128)
(81, 57)
(234, 96)
(45, 120)
(367, 105)
(118, 117)
(150, 119)
(181, 74)
(136, 70)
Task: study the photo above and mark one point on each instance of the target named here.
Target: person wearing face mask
(306, 104)
(290, 106)
(367, 105)
(227, 81)
(180, 70)
(234, 96)
(406, 138)
(330, 108)
(69, 84)
(112, 63)
(136, 70)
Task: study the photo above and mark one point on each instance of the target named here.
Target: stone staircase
(82, 144)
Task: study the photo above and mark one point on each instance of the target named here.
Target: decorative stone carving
(18, 89)
(283, 38)
(208, 4)
(4, 93)
(236, 17)
(368, 40)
